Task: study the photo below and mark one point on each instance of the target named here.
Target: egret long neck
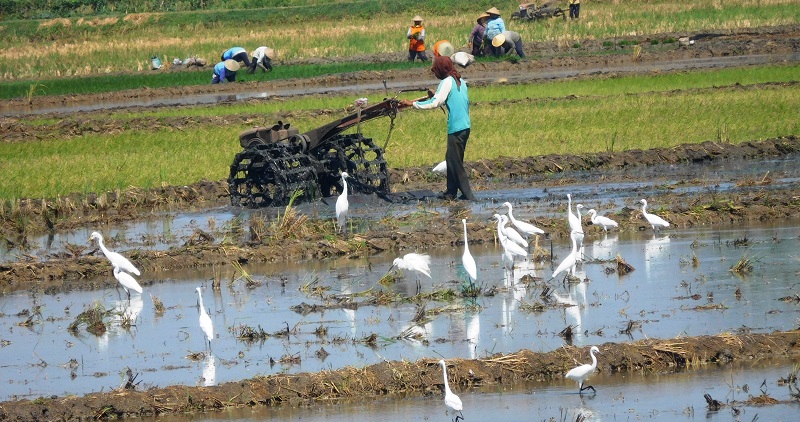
(594, 359)
(344, 183)
(200, 299)
(444, 373)
(466, 244)
(103, 246)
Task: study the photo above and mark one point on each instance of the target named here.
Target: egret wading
(205, 321)
(599, 220)
(418, 263)
(342, 205)
(655, 221)
(575, 224)
(511, 249)
(467, 259)
(127, 281)
(569, 262)
(116, 259)
(451, 400)
(525, 228)
(581, 373)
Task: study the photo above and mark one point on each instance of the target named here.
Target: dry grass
(383, 34)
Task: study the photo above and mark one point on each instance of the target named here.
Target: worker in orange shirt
(416, 40)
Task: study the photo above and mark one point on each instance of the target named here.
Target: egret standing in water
(575, 226)
(205, 321)
(116, 259)
(526, 228)
(467, 259)
(418, 263)
(569, 262)
(127, 281)
(602, 221)
(342, 205)
(451, 400)
(574, 220)
(655, 221)
(581, 373)
(510, 248)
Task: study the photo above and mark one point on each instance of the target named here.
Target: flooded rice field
(316, 316)
(664, 397)
(278, 322)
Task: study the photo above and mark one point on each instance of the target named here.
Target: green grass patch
(642, 111)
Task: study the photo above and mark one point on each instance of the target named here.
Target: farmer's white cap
(231, 65)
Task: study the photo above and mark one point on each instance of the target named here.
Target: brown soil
(423, 377)
(756, 201)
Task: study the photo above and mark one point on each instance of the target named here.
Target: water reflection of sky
(656, 298)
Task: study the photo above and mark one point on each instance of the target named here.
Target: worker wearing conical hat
(225, 71)
(494, 27)
(477, 35)
(507, 41)
(236, 53)
(416, 40)
(262, 57)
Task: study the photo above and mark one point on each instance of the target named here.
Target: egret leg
(588, 387)
(419, 286)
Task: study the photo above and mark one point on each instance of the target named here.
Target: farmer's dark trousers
(456, 174)
(241, 57)
(574, 10)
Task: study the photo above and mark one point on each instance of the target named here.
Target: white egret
(569, 262)
(524, 227)
(510, 248)
(581, 373)
(116, 259)
(467, 259)
(602, 221)
(440, 168)
(205, 321)
(127, 281)
(511, 233)
(578, 234)
(342, 205)
(451, 400)
(574, 220)
(418, 263)
(655, 221)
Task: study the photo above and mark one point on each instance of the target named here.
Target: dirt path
(542, 57)
(422, 377)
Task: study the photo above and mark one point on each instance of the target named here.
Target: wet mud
(756, 199)
(401, 378)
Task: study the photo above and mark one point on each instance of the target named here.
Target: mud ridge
(388, 379)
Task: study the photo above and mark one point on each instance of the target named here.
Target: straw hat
(445, 48)
(416, 18)
(498, 40)
(270, 53)
(493, 11)
(231, 65)
(482, 16)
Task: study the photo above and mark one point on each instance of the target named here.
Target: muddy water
(166, 230)
(666, 397)
(682, 285)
